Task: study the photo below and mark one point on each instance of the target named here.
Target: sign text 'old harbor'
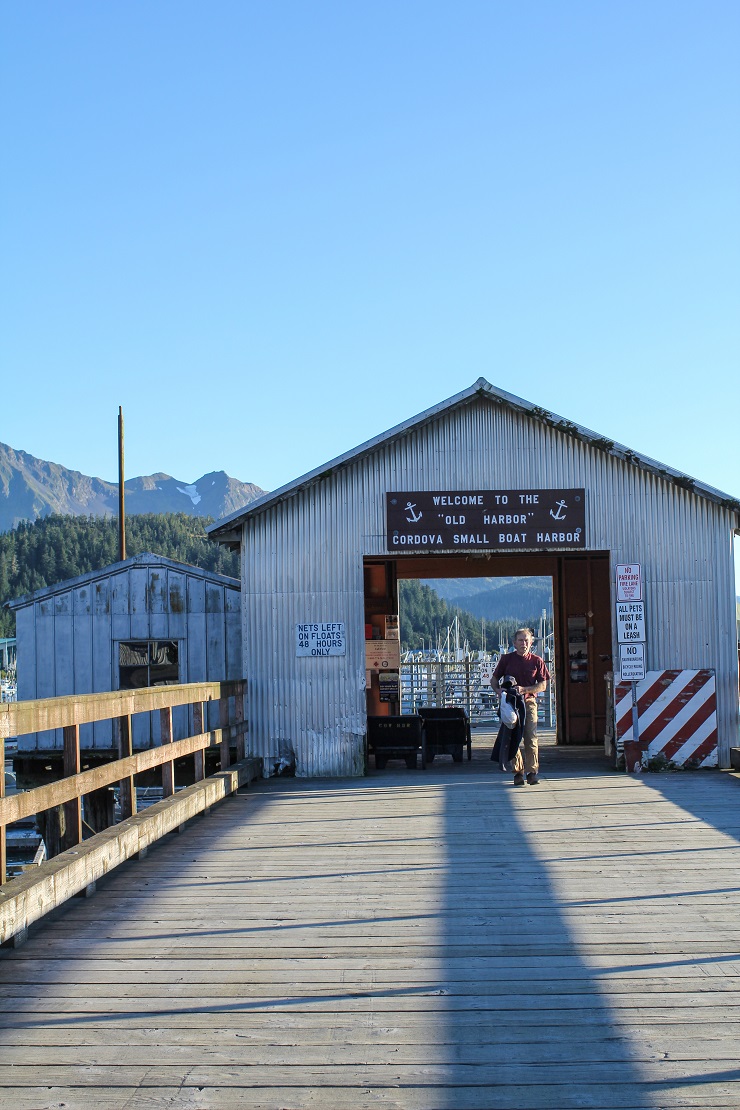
(541, 520)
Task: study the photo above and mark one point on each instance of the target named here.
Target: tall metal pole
(635, 725)
(121, 509)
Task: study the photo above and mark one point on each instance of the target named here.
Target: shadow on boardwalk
(421, 941)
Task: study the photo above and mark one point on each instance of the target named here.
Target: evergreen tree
(425, 618)
(55, 548)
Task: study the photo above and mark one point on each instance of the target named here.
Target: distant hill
(497, 599)
(427, 619)
(31, 488)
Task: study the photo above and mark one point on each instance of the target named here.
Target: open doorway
(579, 626)
(453, 633)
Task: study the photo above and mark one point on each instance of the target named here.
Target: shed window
(147, 663)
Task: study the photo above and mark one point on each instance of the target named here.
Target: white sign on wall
(631, 662)
(382, 655)
(629, 582)
(630, 622)
(320, 639)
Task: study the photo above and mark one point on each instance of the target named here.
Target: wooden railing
(81, 862)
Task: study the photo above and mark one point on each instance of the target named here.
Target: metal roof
(145, 559)
(227, 530)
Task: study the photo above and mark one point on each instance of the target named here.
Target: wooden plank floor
(423, 941)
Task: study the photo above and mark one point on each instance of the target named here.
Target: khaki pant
(531, 762)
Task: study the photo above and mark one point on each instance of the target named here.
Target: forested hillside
(59, 547)
(425, 617)
(55, 548)
(497, 599)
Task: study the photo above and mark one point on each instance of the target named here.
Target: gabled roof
(227, 530)
(145, 559)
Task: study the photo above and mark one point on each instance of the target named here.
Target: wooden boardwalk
(421, 941)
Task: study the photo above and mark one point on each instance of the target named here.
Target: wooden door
(584, 646)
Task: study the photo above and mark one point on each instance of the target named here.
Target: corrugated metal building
(142, 622)
(328, 548)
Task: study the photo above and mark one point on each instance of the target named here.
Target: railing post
(100, 809)
(467, 687)
(241, 740)
(223, 720)
(198, 757)
(127, 795)
(72, 810)
(165, 735)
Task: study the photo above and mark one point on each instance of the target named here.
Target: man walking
(531, 676)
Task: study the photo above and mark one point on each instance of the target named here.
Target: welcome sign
(486, 520)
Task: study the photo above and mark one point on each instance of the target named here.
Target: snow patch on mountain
(191, 492)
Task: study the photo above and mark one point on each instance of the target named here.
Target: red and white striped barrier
(677, 719)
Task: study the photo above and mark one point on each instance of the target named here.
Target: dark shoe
(519, 779)
(533, 779)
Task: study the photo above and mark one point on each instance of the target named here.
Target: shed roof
(145, 559)
(227, 530)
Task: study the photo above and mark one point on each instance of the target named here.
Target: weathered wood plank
(383, 1000)
(713, 1096)
(17, 718)
(549, 1073)
(216, 982)
(479, 1052)
(341, 948)
(425, 1031)
(273, 970)
(92, 998)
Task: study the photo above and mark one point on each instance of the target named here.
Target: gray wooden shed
(145, 621)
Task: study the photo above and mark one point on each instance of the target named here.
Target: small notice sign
(326, 638)
(382, 655)
(630, 622)
(389, 685)
(629, 582)
(631, 662)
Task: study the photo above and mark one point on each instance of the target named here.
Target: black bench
(395, 738)
(446, 732)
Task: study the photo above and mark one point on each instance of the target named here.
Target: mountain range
(497, 599)
(31, 488)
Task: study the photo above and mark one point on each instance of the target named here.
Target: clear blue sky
(273, 230)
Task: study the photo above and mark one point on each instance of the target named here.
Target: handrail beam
(42, 714)
(16, 806)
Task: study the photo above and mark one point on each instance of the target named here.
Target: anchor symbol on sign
(414, 516)
(559, 515)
